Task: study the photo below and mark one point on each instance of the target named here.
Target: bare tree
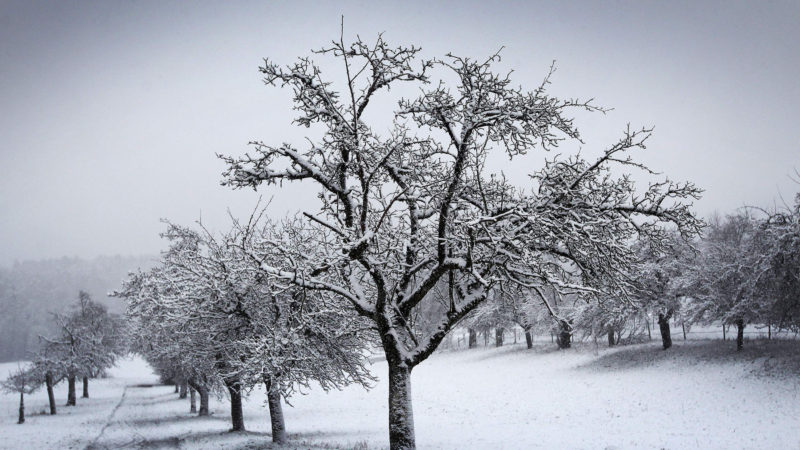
(402, 209)
(22, 381)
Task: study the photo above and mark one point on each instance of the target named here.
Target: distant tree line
(29, 289)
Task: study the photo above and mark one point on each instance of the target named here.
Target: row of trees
(89, 341)
(745, 269)
(208, 317)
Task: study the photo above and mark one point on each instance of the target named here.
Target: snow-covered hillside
(700, 394)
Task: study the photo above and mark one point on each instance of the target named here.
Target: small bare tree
(22, 381)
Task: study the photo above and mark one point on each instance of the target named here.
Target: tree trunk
(663, 324)
(739, 334)
(276, 415)
(723, 332)
(683, 326)
(498, 336)
(401, 415)
(611, 337)
(649, 335)
(71, 390)
(528, 337)
(203, 391)
(184, 390)
(769, 331)
(192, 400)
(48, 379)
(473, 338)
(21, 408)
(176, 388)
(85, 387)
(564, 338)
(485, 338)
(237, 416)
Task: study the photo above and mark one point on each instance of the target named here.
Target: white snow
(699, 394)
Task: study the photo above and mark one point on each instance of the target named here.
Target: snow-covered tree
(22, 381)
(778, 283)
(214, 309)
(408, 200)
(722, 281)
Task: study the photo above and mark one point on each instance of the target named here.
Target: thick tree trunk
(85, 387)
(769, 331)
(564, 338)
(176, 388)
(51, 397)
(723, 332)
(21, 408)
(528, 337)
(203, 401)
(611, 337)
(401, 415)
(663, 324)
(71, 390)
(473, 338)
(683, 326)
(498, 336)
(649, 334)
(184, 390)
(739, 334)
(276, 415)
(202, 390)
(237, 416)
(192, 400)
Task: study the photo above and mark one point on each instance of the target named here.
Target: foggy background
(112, 112)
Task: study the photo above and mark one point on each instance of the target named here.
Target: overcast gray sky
(112, 112)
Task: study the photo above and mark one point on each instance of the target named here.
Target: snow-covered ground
(700, 394)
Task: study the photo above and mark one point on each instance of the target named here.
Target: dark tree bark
(663, 324)
(183, 390)
(275, 414)
(723, 332)
(528, 337)
(564, 338)
(683, 326)
(51, 398)
(237, 416)
(401, 415)
(203, 401)
(85, 387)
(71, 390)
(473, 338)
(21, 408)
(176, 388)
(202, 390)
(611, 341)
(498, 336)
(192, 400)
(739, 334)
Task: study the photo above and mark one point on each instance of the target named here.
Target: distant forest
(31, 290)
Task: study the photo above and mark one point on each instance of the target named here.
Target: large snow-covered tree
(407, 199)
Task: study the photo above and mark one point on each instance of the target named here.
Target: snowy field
(700, 394)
